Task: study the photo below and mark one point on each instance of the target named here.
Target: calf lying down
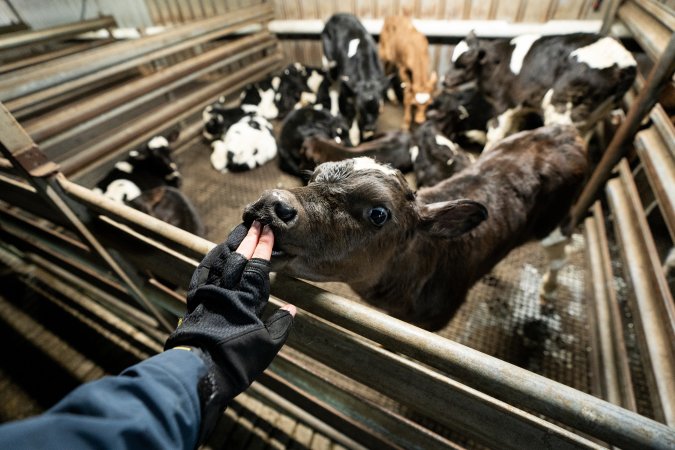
(416, 255)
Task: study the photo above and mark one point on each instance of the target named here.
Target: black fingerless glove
(226, 295)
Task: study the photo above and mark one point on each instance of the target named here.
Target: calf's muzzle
(275, 207)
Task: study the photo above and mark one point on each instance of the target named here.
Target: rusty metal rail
(23, 82)
(613, 371)
(32, 37)
(156, 84)
(653, 300)
(148, 126)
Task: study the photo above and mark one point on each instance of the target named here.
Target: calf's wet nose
(275, 207)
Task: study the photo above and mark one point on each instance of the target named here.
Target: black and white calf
(247, 144)
(144, 168)
(148, 180)
(218, 118)
(301, 124)
(435, 157)
(302, 86)
(570, 79)
(462, 115)
(354, 69)
(259, 98)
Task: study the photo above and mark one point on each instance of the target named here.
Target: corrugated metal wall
(134, 13)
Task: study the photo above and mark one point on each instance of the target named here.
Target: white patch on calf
(267, 107)
(219, 156)
(334, 95)
(459, 50)
(120, 190)
(504, 127)
(247, 108)
(327, 64)
(307, 98)
(442, 140)
(314, 81)
(552, 115)
(477, 136)
(366, 163)
(133, 154)
(355, 133)
(422, 97)
(523, 44)
(604, 53)
(391, 95)
(353, 46)
(158, 142)
(247, 146)
(206, 114)
(124, 166)
(275, 83)
(414, 153)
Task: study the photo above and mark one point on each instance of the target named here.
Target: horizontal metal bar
(37, 59)
(197, 247)
(659, 166)
(432, 394)
(490, 375)
(455, 28)
(649, 32)
(27, 104)
(30, 80)
(288, 376)
(98, 110)
(32, 37)
(169, 114)
(660, 11)
(654, 308)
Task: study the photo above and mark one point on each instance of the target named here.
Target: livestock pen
(90, 285)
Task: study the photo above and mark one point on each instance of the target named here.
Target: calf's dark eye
(378, 215)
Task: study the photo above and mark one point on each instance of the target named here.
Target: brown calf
(416, 255)
(406, 48)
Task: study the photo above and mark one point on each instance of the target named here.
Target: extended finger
(264, 248)
(248, 245)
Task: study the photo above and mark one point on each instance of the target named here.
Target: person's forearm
(151, 405)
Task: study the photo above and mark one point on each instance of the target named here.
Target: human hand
(226, 295)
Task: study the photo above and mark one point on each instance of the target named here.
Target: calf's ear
(451, 219)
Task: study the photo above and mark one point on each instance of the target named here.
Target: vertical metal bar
(610, 16)
(660, 74)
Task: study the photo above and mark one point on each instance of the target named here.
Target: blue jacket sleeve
(151, 405)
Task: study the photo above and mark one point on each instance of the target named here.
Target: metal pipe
(660, 74)
(22, 38)
(168, 114)
(445, 400)
(653, 302)
(26, 104)
(30, 80)
(490, 375)
(613, 371)
(31, 61)
(650, 33)
(659, 166)
(196, 245)
(455, 28)
(94, 119)
(46, 126)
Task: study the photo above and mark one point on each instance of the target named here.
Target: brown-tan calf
(408, 49)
